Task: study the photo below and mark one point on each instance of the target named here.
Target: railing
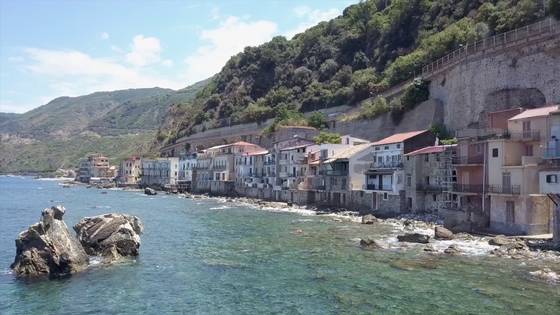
(269, 162)
(552, 152)
(428, 187)
(543, 27)
(526, 135)
(378, 187)
(467, 188)
(335, 173)
(508, 190)
(391, 164)
(464, 160)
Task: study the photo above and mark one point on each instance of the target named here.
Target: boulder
(371, 243)
(442, 233)
(110, 235)
(414, 238)
(501, 240)
(48, 249)
(369, 219)
(452, 250)
(150, 191)
(429, 248)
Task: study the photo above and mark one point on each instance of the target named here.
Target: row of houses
(495, 179)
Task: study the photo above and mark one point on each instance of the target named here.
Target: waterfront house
(549, 175)
(385, 175)
(202, 172)
(187, 162)
(130, 171)
(160, 173)
(249, 168)
(429, 176)
(94, 166)
(514, 162)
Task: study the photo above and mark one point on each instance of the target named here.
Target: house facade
(130, 171)
(94, 166)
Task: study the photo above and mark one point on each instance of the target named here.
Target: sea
(219, 256)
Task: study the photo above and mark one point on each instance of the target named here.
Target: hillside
(373, 45)
(117, 123)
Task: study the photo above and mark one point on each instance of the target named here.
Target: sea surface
(216, 257)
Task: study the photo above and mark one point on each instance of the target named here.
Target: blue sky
(70, 48)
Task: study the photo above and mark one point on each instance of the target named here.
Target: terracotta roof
(399, 137)
(432, 149)
(348, 153)
(536, 112)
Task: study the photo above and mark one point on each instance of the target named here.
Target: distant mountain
(115, 123)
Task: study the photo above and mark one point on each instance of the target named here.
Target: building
(517, 205)
(160, 173)
(187, 163)
(94, 166)
(385, 175)
(549, 175)
(429, 176)
(130, 171)
(250, 169)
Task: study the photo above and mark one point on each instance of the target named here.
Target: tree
(327, 137)
(417, 92)
(372, 109)
(317, 120)
(361, 82)
(327, 69)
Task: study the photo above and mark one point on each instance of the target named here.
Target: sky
(70, 48)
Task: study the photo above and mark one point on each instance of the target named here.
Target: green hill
(118, 124)
(373, 45)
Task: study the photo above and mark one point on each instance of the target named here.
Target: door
(506, 183)
(510, 212)
(526, 129)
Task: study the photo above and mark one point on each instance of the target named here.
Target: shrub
(317, 120)
(327, 137)
(416, 93)
(372, 109)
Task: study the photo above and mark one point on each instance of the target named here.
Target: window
(385, 196)
(386, 147)
(552, 179)
(343, 183)
(376, 148)
(398, 145)
(495, 152)
(408, 180)
(434, 197)
(529, 150)
(426, 157)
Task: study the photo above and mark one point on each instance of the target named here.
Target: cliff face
(527, 76)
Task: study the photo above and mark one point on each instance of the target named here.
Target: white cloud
(145, 51)
(311, 17)
(73, 73)
(104, 35)
(230, 38)
(167, 62)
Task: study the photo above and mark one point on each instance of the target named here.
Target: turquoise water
(213, 257)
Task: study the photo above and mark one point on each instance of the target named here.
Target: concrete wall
(532, 215)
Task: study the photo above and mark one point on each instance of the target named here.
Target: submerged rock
(371, 243)
(369, 219)
(110, 235)
(545, 274)
(414, 238)
(442, 233)
(48, 249)
(150, 191)
(452, 250)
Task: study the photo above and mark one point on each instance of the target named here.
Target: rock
(452, 250)
(414, 238)
(369, 219)
(371, 243)
(150, 191)
(545, 274)
(429, 248)
(442, 233)
(48, 249)
(500, 240)
(110, 235)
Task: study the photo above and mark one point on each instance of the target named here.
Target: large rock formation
(48, 249)
(414, 238)
(110, 235)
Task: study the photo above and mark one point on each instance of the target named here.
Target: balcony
(468, 160)
(429, 187)
(467, 188)
(526, 135)
(378, 187)
(552, 152)
(271, 162)
(506, 190)
(336, 173)
(389, 164)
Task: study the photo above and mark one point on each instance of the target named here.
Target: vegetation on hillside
(327, 137)
(373, 45)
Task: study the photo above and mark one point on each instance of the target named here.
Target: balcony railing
(464, 160)
(335, 173)
(467, 188)
(378, 187)
(508, 190)
(390, 164)
(552, 152)
(526, 135)
(429, 187)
